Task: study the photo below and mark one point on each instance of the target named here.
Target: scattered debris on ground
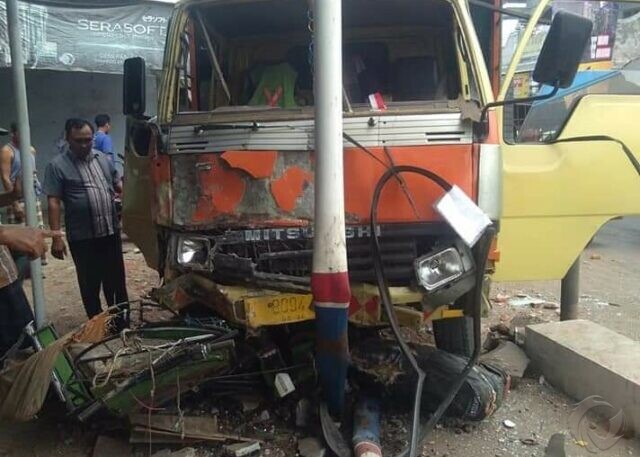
(182, 378)
(243, 405)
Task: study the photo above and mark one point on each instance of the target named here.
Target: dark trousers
(15, 314)
(99, 264)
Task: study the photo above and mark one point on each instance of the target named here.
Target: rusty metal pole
(570, 292)
(22, 117)
(329, 279)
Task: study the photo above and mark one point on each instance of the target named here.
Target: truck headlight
(437, 269)
(193, 252)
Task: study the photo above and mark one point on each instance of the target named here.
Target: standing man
(85, 181)
(103, 143)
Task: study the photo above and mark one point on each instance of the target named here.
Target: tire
(454, 335)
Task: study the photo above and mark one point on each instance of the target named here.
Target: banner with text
(94, 40)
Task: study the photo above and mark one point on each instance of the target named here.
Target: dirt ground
(610, 288)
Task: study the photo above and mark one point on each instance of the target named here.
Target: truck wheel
(454, 335)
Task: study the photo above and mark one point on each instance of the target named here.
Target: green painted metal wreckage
(121, 374)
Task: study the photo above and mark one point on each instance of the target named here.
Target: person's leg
(114, 280)
(89, 271)
(5, 320)
(15, 314)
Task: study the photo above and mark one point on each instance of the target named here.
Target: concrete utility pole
(22, 112)
(330, 278)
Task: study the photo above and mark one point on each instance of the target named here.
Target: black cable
(384, 289)
(360, 146)
(391, 164)
(418, 437)
(632, 158)
(481, 260)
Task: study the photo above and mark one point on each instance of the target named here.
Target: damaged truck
(219, 185)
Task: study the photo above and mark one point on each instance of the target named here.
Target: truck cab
(219, 186)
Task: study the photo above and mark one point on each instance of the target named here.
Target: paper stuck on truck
(463, 215)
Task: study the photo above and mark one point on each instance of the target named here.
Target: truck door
(147, 201)
(137, 213)
(568, 162)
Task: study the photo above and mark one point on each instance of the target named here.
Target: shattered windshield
(399, 54)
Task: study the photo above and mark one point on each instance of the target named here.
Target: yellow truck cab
(219, 185)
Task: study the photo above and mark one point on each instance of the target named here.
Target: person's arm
(116, 179)
(55, 206)
(54, 188)
(107, 147)
(27, 240)
(12, 193)
(18, 208)
(58, 248)
(6, 155)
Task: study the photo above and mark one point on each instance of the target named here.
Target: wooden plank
(192, 425)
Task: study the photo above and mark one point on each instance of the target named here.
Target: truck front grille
(291, 260)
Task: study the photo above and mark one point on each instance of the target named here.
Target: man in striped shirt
(86, 182)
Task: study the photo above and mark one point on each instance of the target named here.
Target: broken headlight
(446, 274)
(193, 252)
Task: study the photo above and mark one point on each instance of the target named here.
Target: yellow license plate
(278, 309)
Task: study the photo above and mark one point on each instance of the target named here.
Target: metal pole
(570, 292)
(330, 279)
(22, 113)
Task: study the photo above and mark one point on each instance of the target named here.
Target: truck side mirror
(134, 87)
(562, 50)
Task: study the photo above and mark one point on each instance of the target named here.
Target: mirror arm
(488, 106)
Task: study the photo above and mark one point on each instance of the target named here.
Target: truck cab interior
(258, 55)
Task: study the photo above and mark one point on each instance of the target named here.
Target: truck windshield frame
(206, 74)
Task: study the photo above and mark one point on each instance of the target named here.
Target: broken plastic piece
(242, 449)
(284, 385)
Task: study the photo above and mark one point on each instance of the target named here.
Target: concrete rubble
(311, 447)
(591, 364)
